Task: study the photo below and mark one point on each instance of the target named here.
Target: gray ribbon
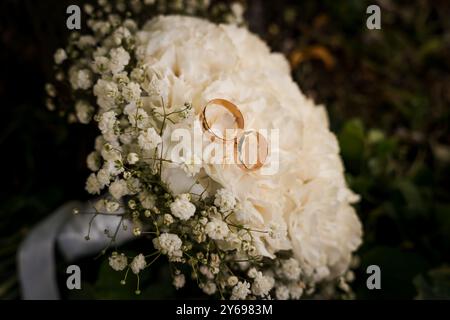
(66, 232)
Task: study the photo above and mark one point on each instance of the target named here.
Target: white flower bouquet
(282, 227)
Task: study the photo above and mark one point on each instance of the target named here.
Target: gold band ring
(262, 151)
(232, 108)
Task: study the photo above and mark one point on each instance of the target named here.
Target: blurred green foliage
(389, 104)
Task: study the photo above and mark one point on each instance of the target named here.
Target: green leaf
(351, 140)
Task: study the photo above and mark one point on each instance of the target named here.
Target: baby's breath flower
(282, 293)
(252, 273)
(169, 244)
(106, 93)
(127, 175)
(80, 79)
(86, 41)
(137, 231)
(99, 205)
(232, 281)
(92, 184)
(182, 208)
(133, 185)
(50, 105)
(107, 122)
(138, 263)
(225, 200)
(291, 269)
(121, 78)
(131, 92)
(206, 271)
(118, 189)
(139, 118)
(147, 199)
(60, 56)
(149, 139)
(217, 229)
(179, 281)
(88, 8)
(93, 161)
(60, 76)
(118, 261)
(50, 89)
(112, 206)
(137, 75)
(262, 284)
(168, 219)
(101, 64)
(104, 177)
(240, 291)
(132, 158)
(119, 58)
(84, 111)
(210, 288)
(110, 153)
(132, 204)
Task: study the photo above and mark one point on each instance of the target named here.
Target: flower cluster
(242, 235)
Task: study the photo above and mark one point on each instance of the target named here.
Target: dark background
(388, 96)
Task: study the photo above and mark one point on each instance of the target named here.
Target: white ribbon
(65, 232)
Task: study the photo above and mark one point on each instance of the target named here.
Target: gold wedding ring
(240, 138)
(261, 154)
(232, 108)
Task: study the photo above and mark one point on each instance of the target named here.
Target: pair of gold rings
(240, 138)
